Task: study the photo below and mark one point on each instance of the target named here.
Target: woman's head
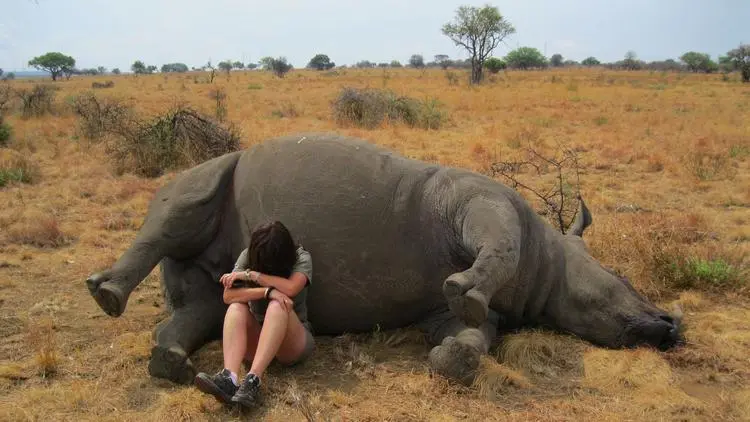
(272, 249)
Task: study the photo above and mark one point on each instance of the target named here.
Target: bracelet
(268, 292)
(249, 275)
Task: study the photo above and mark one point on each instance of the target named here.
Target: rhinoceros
(395, 242)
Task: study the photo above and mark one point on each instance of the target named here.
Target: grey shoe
(248, 394)
(219, 385)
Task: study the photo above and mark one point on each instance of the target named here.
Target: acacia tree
(279, 66)
(698, 62)
(556, 60)
(479, 31)
(590, 61)
(740, 60)
(226, 66)
(138, 67)
(442, 60)
(57, 64)
(321, 62)
(416, 61)
(526, 58)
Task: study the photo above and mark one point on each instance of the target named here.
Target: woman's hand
(283, 299)
(228, 279)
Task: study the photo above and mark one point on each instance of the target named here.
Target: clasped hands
(228, 279)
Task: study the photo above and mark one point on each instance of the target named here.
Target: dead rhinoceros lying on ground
(395, 242)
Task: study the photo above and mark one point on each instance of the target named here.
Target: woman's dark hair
(272, 250)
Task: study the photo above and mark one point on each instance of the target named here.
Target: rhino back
(358, 209)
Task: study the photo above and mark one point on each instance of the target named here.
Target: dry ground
(665, 162)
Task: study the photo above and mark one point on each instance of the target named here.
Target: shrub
(369, 108)
(6, 94)
(452, 77)
(708, 166)
(494, 65)
(287, 109)
(696, 273)
(37, 101)
(99, 116)
(177, 139)
(108, 84)
(5, 133)
(219, 97)
(15, 167)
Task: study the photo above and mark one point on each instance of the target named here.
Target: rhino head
(594, 303)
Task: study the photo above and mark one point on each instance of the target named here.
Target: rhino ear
(583, 219)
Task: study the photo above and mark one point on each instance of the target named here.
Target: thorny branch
(557, 199)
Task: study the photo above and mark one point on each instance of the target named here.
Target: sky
(116, 33)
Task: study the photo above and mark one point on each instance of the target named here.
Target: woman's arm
(289, 286)
(243, 295)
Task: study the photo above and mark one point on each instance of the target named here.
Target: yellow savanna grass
(664, 160)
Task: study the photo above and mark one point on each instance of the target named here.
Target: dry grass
(541, 354)
(495, 379)
(665, 173)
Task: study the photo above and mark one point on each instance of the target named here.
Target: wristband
(268, 292)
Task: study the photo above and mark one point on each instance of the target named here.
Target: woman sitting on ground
(263, 322)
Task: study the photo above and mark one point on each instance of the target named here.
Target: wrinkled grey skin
(395, 242)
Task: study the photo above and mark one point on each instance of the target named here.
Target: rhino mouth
(662, 332)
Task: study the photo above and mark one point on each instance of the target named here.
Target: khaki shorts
(307, 351)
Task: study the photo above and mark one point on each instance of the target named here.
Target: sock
(254, 377)
(234, 378)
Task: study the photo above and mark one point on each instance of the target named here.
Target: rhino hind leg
(177, 338)
(458, 348)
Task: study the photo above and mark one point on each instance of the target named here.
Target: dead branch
(556, 198)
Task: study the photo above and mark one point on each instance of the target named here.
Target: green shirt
(302, 265)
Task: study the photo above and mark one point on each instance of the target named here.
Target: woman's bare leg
(241, 333)
(283, 336)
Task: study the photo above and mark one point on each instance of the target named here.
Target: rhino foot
(455, 360)
(108, 296)
(171, 363)
(469, 304)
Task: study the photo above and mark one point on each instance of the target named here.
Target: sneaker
(219, 385)
(249, 392)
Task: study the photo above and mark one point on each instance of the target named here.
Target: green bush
(369, 108)
(5, 133)
(15, 167)
(697, 273)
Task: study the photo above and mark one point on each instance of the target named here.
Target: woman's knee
(275, 310)
(238, 311)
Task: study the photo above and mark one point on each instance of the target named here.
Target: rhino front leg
(177, 338)
(458, 348)
(198, 316)
(491, 233)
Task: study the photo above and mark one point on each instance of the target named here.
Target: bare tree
(558, 201)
